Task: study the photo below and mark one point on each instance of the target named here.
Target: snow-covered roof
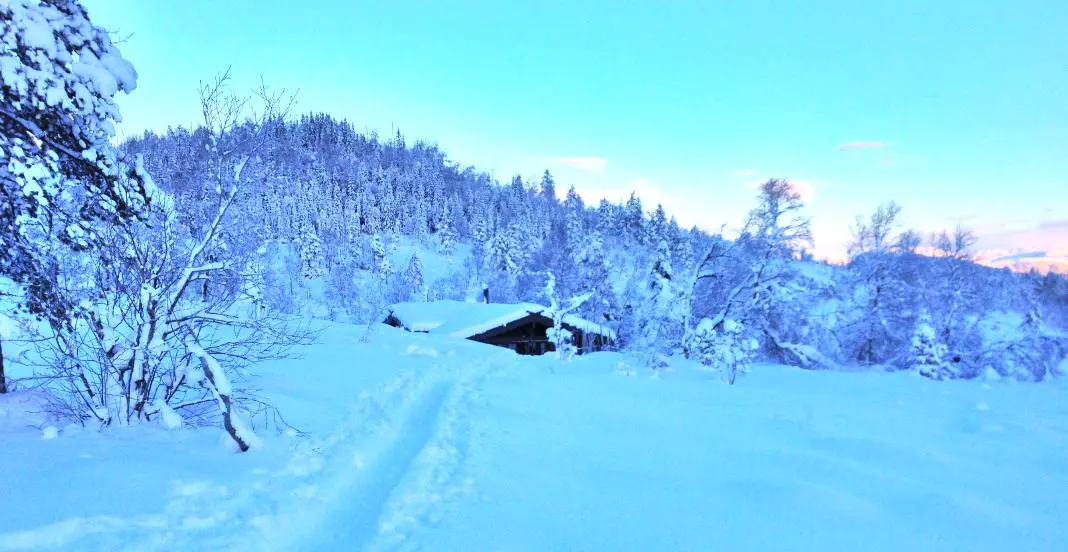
(466, 320)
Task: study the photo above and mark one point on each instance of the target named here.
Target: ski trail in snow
(376, 482)
(436, 478)
(426, 474)
(355, 523)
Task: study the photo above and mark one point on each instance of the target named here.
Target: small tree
(740, 279)
(927, 355)
(723, 347)
(380, 264)
(413, 278)
(561, 338)
(152, 340)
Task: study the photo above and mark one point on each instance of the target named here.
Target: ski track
(355, 523)
(376, 482)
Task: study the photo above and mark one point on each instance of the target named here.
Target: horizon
(856, 106)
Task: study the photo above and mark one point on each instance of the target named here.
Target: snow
(170, 418)
(419, 441)
(467, 319)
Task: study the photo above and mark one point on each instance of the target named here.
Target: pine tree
(418, 228)
(312, 263)
(575, 234)
(595, 276)
(380, 265)
(446, 233)
(682, 250)
(607, 220)
(722, 347)
(413, 277)
(504, 253)
(660, 319)
(548, 187)
(927, 356)
(661, 275)
(634, 219)
(480, 239)
(657, 229)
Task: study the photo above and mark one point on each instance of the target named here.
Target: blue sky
(956, 110)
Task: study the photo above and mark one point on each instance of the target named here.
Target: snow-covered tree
(876, 333)
(561, 338)
(927, 355)
(595, 275)
(312, 264)
(59, 174)
(722, 346)
(155, 342)
(662, 312)
(657, 228)
(548, 187)
(682, 250)
(738, 280)
(446, 233)
(505, 254)
(634, 219)
(380, 264)
(413, 278)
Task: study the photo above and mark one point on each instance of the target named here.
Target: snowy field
(433, 443)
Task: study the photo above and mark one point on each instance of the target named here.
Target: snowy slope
(435, 443)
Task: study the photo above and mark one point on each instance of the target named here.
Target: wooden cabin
(520, 327)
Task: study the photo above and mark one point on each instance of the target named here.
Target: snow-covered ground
(435, 443)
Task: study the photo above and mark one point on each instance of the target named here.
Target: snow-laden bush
(723, 347)
(927, 355)
(1022, 347)
(562, 340)
(165, 329)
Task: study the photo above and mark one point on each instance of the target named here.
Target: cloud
(1023, 245)
(744, 172)
(581, 163)
(862, 145)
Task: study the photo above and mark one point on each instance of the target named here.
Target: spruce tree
(634, 219)
(548, 187)
(312, 263)
(413, 277)
(380, 265)
(927, 356)
(446, 233)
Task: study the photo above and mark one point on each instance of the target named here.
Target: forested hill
(327, 206)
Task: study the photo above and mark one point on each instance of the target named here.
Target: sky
(957, 110)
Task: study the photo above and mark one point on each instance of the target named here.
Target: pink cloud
(1022, 246)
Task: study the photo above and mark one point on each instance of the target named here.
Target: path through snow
(387, 470)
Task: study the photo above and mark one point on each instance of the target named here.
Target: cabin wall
(529, 336)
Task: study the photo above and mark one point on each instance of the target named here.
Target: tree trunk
(3, 381)
(226, 407)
